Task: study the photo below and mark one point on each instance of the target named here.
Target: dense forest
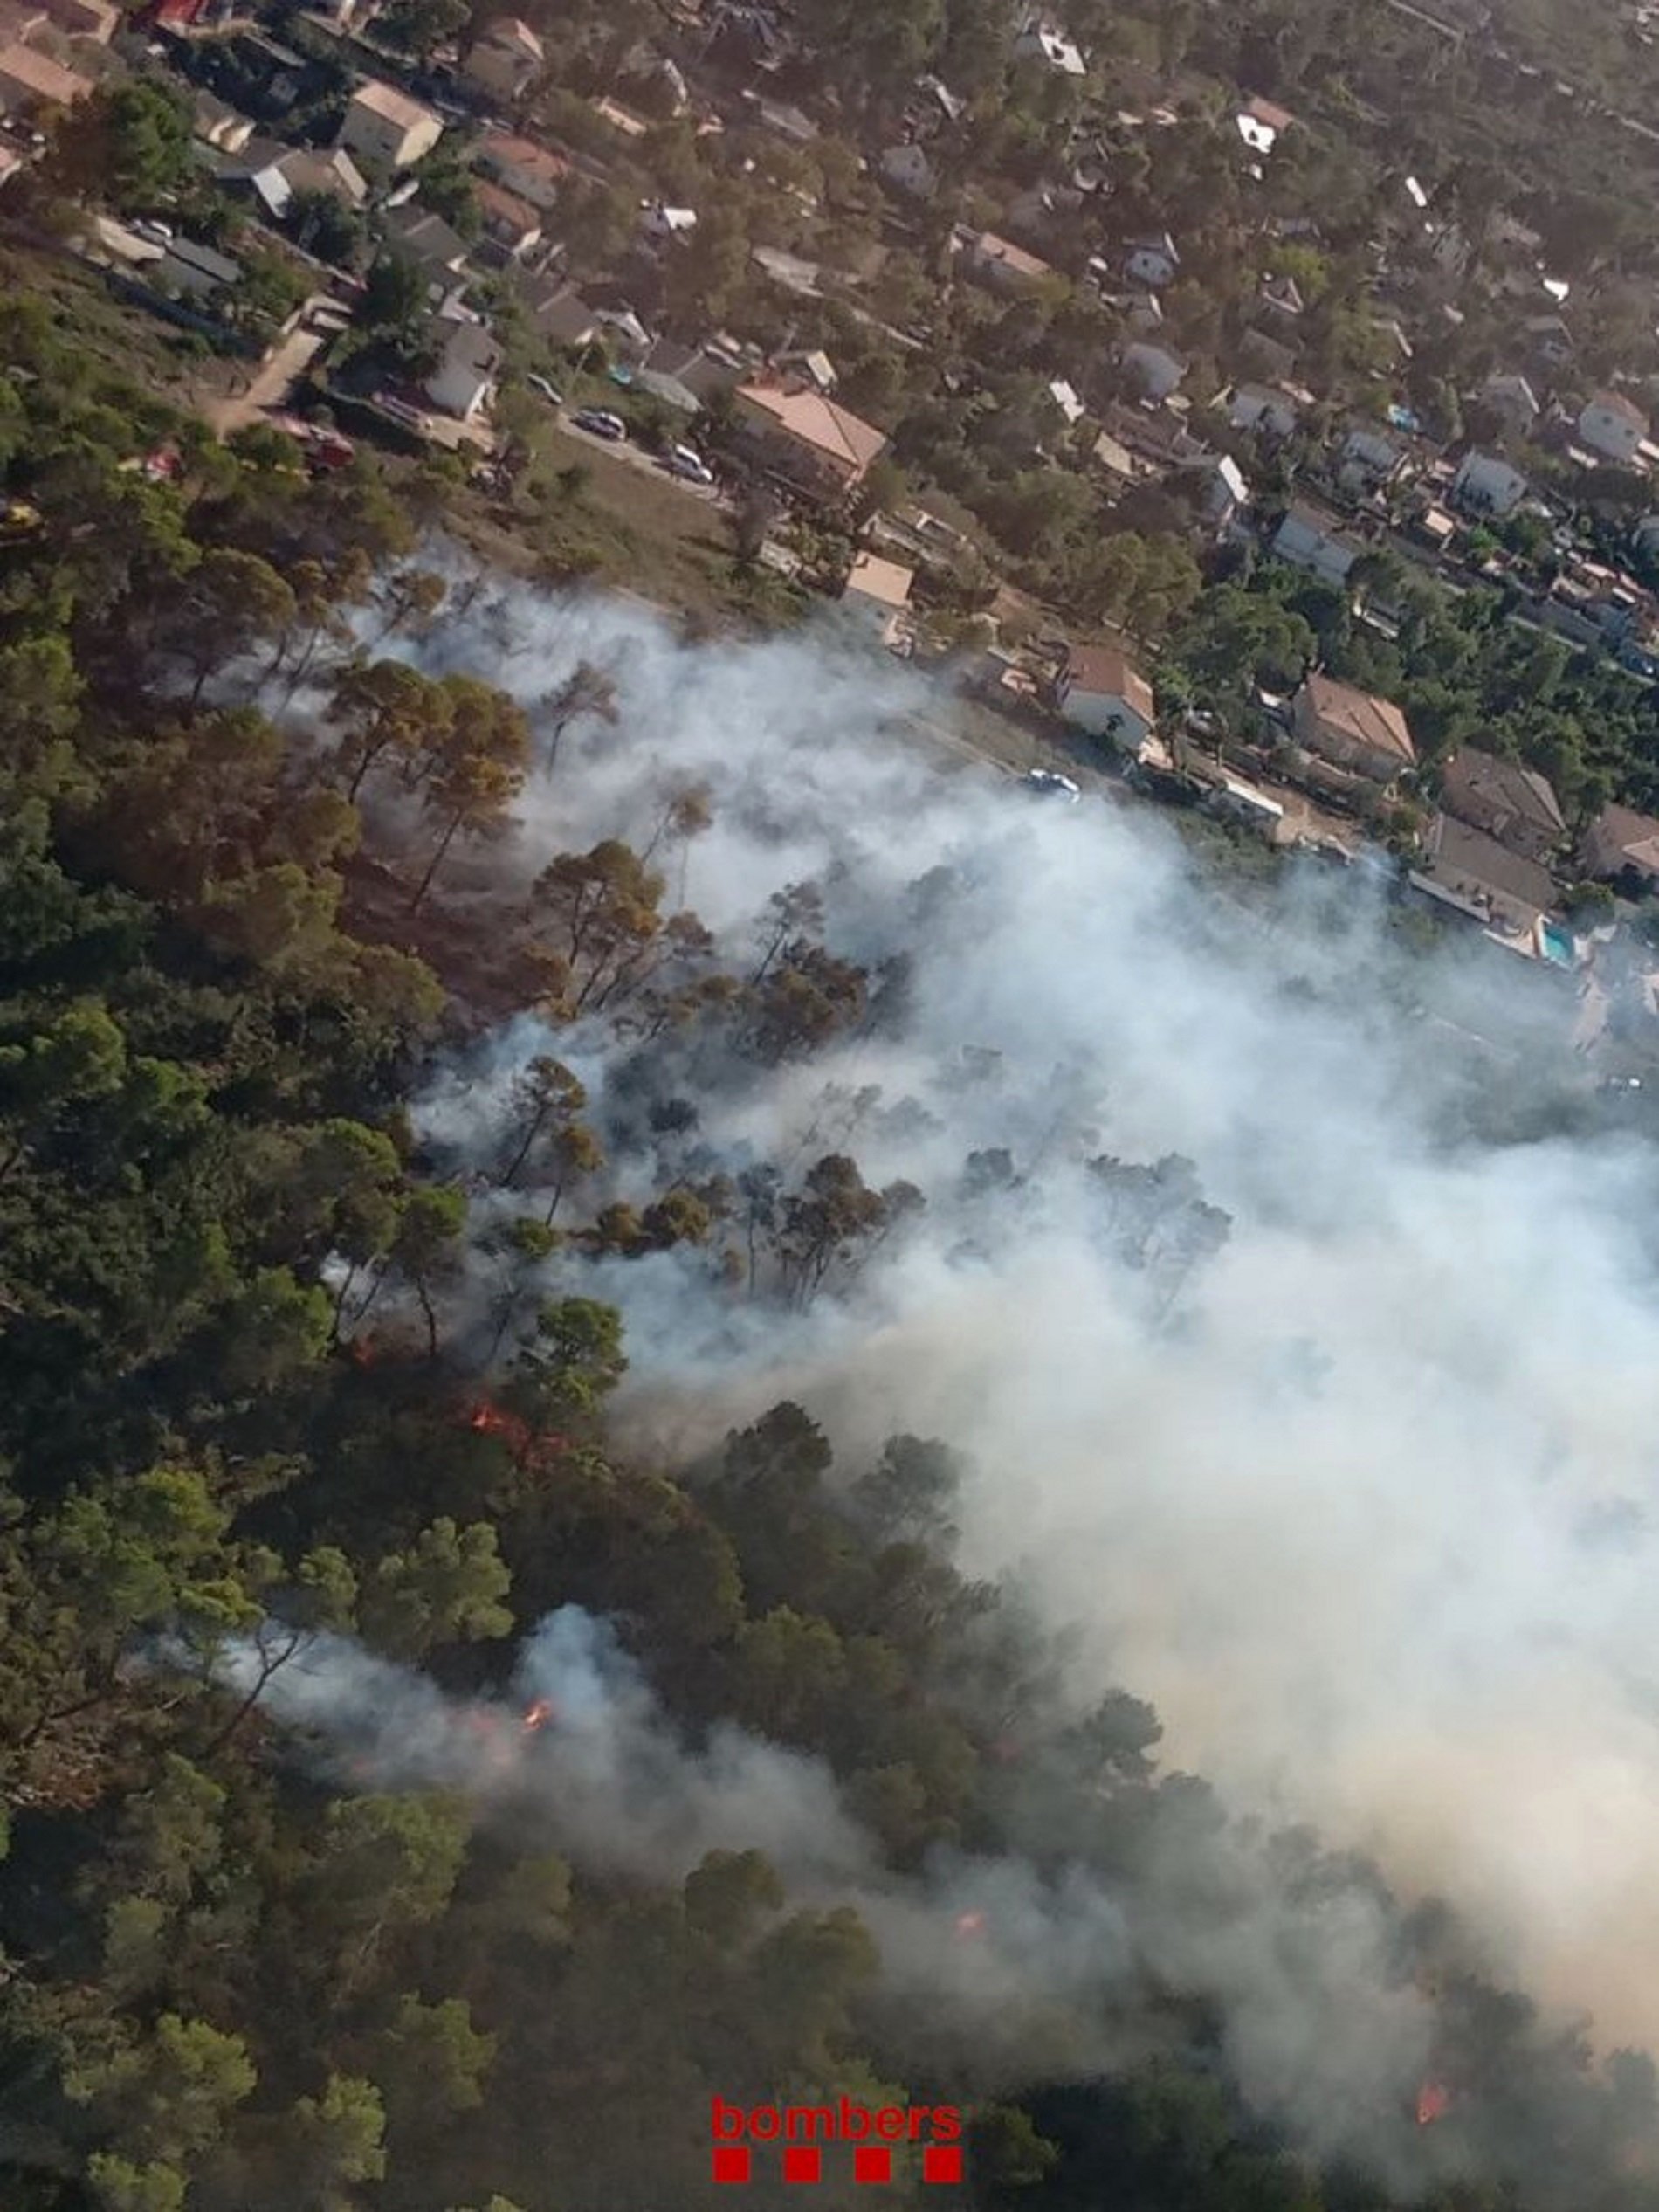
(251, 1397)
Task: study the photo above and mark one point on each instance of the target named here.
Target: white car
(145, 226)
(598, 422)
(683, 462)
(1048, 784)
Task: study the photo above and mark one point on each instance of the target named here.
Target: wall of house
(1348, 752)
(385, 142)
(1104, 715)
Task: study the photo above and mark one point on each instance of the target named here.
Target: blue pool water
(1557, 945)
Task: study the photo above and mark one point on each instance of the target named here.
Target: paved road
(636, 456)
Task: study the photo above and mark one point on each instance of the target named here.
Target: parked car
(554, 397)
(683, 461)
(600, 423)
(1048, 784)
(145, 226)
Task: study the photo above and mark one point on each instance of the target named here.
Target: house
(1473, 871)
(1279, 301)
(1511, 803)
(1220, 487)
(1370, 458)
(1043, 42)
(908, 170)
(463, 385)
(1261, 125)
(1550, 340)
(506, 59)
(807, 437)
(695, 373)
(332, 171)
(415, 234)
(876, 593)
(1102, 692)
(1622, 844)
(1307, 540)
(661, 222)
(1267, 409)
(195, 270)
(386, 128)
(999, 265)
(562, 316)
(1487, 485)
(1352, 728)
(1268, 357)
(1512, 400)
(528, 171)
(1065, 398)
(624, 332)
(511, 223)
(1152, 262)
(815, 366)
(218, 125)
(1613, 426)
(29, 82)
(1154, 368)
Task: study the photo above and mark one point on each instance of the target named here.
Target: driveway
(270, 383)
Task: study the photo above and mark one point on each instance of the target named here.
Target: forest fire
(969, 1925)
(491, 1421)
(538, 1714)
(1434, 2102)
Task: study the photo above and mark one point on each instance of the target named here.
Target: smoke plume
(1360, 1496)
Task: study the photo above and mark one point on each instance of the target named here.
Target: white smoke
(1366, 1510)
(997, 1972)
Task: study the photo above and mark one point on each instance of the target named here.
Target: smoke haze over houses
(1356, 1483)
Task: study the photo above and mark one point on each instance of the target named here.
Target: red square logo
(802, 2165)
(942, 2162)
(731, 2163)
(872, 2163)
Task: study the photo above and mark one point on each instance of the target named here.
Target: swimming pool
(1557, 943)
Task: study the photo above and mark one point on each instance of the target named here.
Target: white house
(876, 594)
(1065, 398)
(1308, 542)
(387, 128)
(1488, 485)
(1613, 426)
(1153, 261)
(1043, 42)
(1156, 368)
(463, 385)
(659, 221)
(506, 59)
(1265, 408)
(907, 169)
(1102, 693)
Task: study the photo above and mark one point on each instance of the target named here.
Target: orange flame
(538, 1714)
(1434, 2102)
(970, 1924)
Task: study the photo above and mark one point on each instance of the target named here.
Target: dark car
(600, 423)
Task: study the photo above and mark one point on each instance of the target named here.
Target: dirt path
(270, 383)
